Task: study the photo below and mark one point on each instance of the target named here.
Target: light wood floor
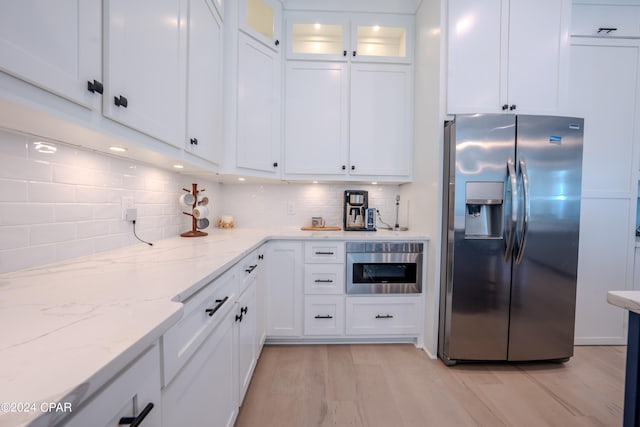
(398, 385)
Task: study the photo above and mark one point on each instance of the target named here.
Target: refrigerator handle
(512, 213)
(525, 215)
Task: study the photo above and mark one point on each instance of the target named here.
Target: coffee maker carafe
(355, 210)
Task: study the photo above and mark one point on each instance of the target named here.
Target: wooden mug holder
(194, 221)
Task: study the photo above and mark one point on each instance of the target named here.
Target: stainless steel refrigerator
(510, 237)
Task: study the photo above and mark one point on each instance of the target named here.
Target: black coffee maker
(357, 216)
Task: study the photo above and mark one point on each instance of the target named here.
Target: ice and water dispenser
(483, 210)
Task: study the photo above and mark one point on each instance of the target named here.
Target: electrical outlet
(126, 204)
(131, 214)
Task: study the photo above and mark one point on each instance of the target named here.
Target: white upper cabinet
(204, 82)
(144, 66)
(381, 139)
(262, 19)
(258, 122)
(608, 20)
(507, 55)
(358, 37)
(382, 38)
(54, 45)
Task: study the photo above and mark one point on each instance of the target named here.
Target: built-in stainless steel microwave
(384, 267)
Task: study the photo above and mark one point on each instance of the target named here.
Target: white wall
(68, 204)
(424, 194)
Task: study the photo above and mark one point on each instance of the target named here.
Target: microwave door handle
(525, 214)
(512, 214)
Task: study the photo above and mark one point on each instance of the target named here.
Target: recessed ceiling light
(241, 179)
(117, 149)
(315, 182)
(178, 166)
(317, 26)
(374, 183)
(42, 147)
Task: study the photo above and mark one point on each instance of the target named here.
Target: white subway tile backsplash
(72, 212)
(18, 168)
(13, 191)
(25, 214)
(55, 193)
(32, 256)
(14, 237)
(52, 233)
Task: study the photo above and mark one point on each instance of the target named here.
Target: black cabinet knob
(512, 107)
(344, 167)
(95, 86)
(504, 107)
(353, 167)
(354, 53)
(277, 42)
(120, 101)
(275, 164)
(194, 141)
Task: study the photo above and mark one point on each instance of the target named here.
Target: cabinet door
(476, 55)
(317, 117)
(262, 20)
(381, 140)
(246, 318)
(538, 55)
(54, 45)
(258, 144)
(144, 58)
(204, 87)
(317, 35)
(204, 393)
(284, 289)
(382, 38)
(324, 315)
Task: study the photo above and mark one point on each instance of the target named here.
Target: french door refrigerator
(511, 215)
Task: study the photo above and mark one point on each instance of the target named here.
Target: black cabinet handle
(239, 318)
(344, 53)
(328, 316)
(384, 316)
(323, 281)
(260, 256)
(353, 167)
(194, 141)
(354, 53)
(251, 268)
(277, 42)
(504, 107)
(244, 310)
(136, 421)
(95, 86)
(120, 101)
(344, 167)
(512, 107)
(275, 164)
(606, 29)
(324, 253)
(219, 303)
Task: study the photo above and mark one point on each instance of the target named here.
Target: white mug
(200, 212)
(202, 200)
(187, 199)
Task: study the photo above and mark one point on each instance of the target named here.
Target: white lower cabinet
(203, 393)
(383, 315)
(245, 321)
(324, 315)
(284, 275)
(134, 394)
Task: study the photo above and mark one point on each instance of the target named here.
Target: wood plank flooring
(398, 385)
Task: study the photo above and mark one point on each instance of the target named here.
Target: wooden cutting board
(327, 228)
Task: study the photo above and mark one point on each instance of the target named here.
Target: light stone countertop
(68, 328)
(629, 300)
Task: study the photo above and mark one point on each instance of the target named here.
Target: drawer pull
(323, 281)
(136, 421)
(606, 30)
(324, 253)
(219, 303)
(328, 316)
(239, 318)
(244, 310)
(384, 316)
(251, 268)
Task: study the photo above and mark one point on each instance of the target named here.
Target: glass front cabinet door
(382, 38)
(317, 35)
(262, 19)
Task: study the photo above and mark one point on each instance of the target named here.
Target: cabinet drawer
(324, 252)
(324, 279)
(202, 313)
(324, 315)
(247, 269)
(588, 19)
(383, 315)
(135, 389)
